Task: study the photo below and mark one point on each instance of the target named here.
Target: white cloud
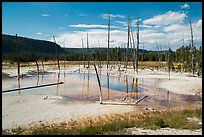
(175, 28)
(199, 23)
(45, 15)
(172, 33)
(90, 26)
(185, 6)
(121, 22)
(39, 33)
(166, 19)
(106, 16)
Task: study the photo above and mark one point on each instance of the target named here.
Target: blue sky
(69, 22)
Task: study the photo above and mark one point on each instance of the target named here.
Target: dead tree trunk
(37, 66)
(192, 49)
(99, 54)
(128, 42)
(137, 53)
(158, 57)
(88, 50)
(108, 42)
(83, 50)
(56, 54)
(134, 52)
(42, 65)
(143, 55)
(169, 60)
(182, 54)
(64, 59)
(199, 61)
(99, 84)
(18, 63)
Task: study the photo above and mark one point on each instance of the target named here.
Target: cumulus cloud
(45, 15)
(169, 17)
(172, 33)
(106, 16)
(185, 6)
(175, 28)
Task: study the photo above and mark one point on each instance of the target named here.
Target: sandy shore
(25, 110)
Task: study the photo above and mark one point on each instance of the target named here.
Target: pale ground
(162, 131)
(24, 110)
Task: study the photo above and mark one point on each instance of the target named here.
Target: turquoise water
(74, 83)
(115, 83)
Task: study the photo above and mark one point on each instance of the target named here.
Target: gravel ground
(162, 131)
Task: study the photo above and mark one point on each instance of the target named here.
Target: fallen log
(32, 87)
(141, 99)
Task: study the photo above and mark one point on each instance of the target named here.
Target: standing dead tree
(99, 84)
(56, 54)
(182, 56)
(169, 60)
(64, 58)
(108, 41)
(128, 42)
(199, 61)
(192, 49)
(42, 65)
(143, 54)
(18, 63)
(137, 51)
(134, 50)
(99, 54)
(82, 42)
(158, 58)
(88, 58)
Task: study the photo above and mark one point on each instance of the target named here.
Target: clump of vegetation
(111, 124)
(160, 122)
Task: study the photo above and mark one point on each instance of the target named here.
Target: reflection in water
(136, 88)
(156, 84)
(19, 86)
(42, 79)
(83, 86)
(167, 96)
(80, 90)
(126, 85)
(37, 81)
(108, 84)
(79, 66)
(58, 76)
(133, 81)
(115, 83)
(88, 86)
(119, 77)
(64, 73)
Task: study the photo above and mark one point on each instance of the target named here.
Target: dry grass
(110, 124)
